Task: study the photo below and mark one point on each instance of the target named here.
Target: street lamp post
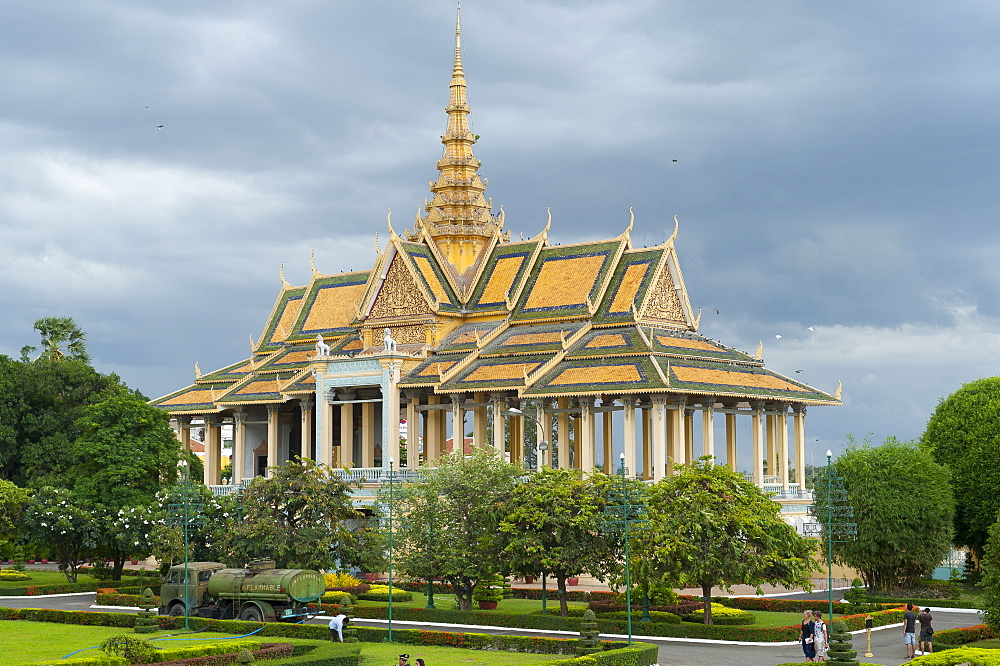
(542, 444)
(625, 516)
(832, 513)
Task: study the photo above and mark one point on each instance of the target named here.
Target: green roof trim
(524, 250)
(532, 338)
(635, 260)
(607, 250)
(318, 286)
(487, 373)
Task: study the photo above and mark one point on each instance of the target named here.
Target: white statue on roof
(390, 344)
(322, 349)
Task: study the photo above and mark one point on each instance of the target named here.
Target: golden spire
(458, 216)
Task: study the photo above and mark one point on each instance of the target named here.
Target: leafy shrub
(722, 615)
(135, 650)
(680, 609)
(337, 580)
(13, 574)
(337, 596)
(381, 593)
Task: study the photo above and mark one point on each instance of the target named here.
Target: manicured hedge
(948, 639)
(531, 644)
(65, 588)
(611, 605)
(191, 655)
(519, 592)
(923, 603)
(963, 655)
(780, 605)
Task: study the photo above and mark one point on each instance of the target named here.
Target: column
(708, 429)
(607, 437)
(629, 438)
(731, 441)
(412, 430)
(680, 432)
(544, 433)
(435, 431)
(499, 425)
(562, 433)
(306, 410)
(516, 429)
(647, 443)
(772, 451)
(457, 424)
(586, 433)
(368, 434)
(346, 449)
(659, 445)
(213, 450)
(390, 414)
(479, 421)
(800, 446)
(577, 427)
(756, 428)
(782, 424)
(273, 434)
(184, 432)
(689, 434)
(239, 445)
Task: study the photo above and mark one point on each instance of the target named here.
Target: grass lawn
(25, 642)
(36, 641)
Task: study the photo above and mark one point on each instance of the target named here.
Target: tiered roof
(477, 312)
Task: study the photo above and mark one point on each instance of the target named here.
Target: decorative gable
(398, 295)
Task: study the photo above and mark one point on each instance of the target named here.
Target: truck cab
(180, 593)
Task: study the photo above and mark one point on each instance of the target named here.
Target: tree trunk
(561, 593)
(119, 565)
(463, 595)
(706, 593)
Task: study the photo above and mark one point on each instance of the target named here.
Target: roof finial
(458, 38)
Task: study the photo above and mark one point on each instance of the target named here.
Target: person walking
(807, 637)
(910, 631)
(821, 637)
(926, 632)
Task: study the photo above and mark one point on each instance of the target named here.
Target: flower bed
(948, 639)
(519, 592)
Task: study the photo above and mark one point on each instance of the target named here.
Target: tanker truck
(257, 593)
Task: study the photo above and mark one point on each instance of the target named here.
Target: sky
(834, 167)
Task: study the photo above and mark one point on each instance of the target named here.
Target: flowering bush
(337, 580)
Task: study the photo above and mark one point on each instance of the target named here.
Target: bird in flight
(716, 310)
(798, 371)
(157, 126)
(777, 337)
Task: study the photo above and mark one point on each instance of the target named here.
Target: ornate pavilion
(456, 325)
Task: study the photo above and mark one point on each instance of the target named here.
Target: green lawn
(36, 641)
(25, 642)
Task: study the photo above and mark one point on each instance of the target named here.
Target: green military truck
(257, 593)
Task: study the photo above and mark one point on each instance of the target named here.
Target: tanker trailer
(256, 593)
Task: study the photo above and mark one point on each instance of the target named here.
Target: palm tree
(61, 339)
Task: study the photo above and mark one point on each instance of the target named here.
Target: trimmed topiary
(841, 652)
(588, 643)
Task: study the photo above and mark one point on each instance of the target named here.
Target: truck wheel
(177, 610)
(251, 614)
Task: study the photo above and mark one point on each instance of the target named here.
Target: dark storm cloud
(836, 168)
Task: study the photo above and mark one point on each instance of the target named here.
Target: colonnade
(655, 432)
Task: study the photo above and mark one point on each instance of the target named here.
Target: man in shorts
(910, 631)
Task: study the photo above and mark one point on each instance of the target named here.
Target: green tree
(472, 492)
(61, 339)
(12, 501)
(124, 533)
(55, 518)
(990, 567)
(40, 404)
(302, 516)
(903, 508)
(963, 436)
(125, 452)
(709, 527)
(553, 525)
